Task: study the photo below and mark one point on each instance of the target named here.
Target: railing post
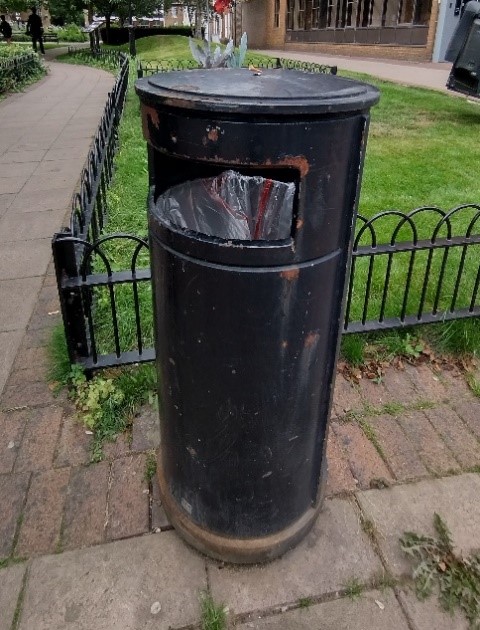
(71, 302)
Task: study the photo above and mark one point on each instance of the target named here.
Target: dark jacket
(34, 25)
(6, 29)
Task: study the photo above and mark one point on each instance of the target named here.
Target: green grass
(353, 588)
(214, 616)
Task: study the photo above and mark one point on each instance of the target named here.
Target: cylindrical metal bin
(247, 332)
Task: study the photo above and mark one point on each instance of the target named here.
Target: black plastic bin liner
(230, 206)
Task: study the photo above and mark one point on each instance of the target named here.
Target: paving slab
(428, 614)
(114, 586)
(335, 551)
(411, 507)
(27, 226)
(11, 580)
(429, 75)
(341, 614)
(24, 259)
(52, 199)
(9, 343)
(17, 299)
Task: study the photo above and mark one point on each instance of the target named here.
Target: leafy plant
(214, 617)
(208, 58)
(412, 347)
(456, 578)
(236, 60)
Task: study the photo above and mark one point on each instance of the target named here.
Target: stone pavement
(430, 75)
(87, 545)
(46, 132)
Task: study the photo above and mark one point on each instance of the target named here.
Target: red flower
(220, 6)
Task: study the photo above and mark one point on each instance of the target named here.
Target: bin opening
(230, 206)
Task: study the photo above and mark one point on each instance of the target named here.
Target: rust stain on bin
(213, 134)
(311, 339)
(290, 274)
(298, 162)
(149, 117)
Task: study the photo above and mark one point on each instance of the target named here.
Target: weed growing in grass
(214, 617)
(456, 578)
(353, 588)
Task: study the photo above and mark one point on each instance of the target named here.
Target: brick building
(398, 29)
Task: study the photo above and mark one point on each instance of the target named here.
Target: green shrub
(71, 33)
(14, 76)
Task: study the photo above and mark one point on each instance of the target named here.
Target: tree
(66, 11)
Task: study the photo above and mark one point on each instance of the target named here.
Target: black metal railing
(88, 216)
(146, 68)
(427, 271)
(14, 70)
(407, 268)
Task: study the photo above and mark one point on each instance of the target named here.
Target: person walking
(5, 29)
(35, 30)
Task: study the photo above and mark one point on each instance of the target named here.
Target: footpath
(87, 545)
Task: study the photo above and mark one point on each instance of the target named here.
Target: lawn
(422, 151)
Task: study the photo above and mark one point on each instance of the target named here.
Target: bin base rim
(235, 550)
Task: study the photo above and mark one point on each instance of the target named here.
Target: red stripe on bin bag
(210, 188)
(267, 187)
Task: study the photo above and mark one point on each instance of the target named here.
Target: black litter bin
(464, 52)
(247, 330)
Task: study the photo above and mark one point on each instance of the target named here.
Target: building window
(276, 14)
(290, 13)
(316, 17)
(300, 5)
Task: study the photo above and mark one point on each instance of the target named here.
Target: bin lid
(239, 90)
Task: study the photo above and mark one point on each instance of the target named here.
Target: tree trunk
(107, 27)
(198, 19)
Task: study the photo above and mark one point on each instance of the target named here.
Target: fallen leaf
(155, 608)
(380, 605)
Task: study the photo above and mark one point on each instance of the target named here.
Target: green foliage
(353, 588)
(214, 617)
(70, 33)
(14, 79)
(457, 579)
(67, 12)
(96, 398)
(150, 466)
(305, 602)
